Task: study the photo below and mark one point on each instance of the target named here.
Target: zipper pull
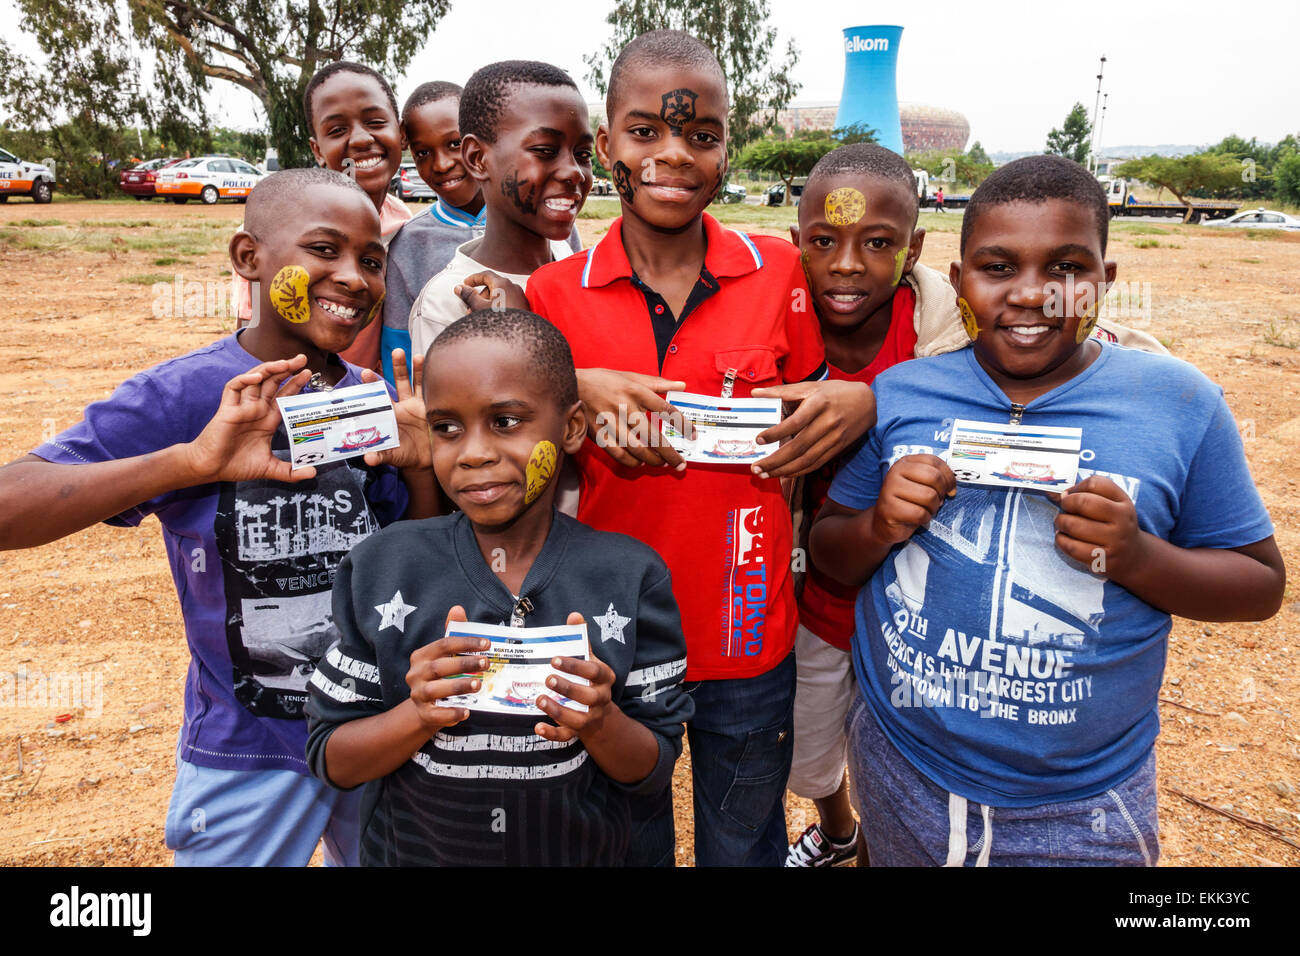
(524, 606)
(1017, 412)
(728, 382)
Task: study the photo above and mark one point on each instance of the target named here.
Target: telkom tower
(870, 87)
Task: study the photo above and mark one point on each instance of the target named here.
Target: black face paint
(678, 109)
(717, 185)
(623, 181)
(510, 189)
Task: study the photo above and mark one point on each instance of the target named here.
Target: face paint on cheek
(289, 294)
(374, 311)
(512, 189)
(899, 261)
(968, 319)
(845, 206)
(678, 109)
(1087, 324)
(623, 182)
(541, 466)
(803, 261)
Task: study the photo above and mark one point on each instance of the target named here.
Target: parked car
(776, 192)
(600, 186)
(730, 194)
(1258, 219)
(139, 181)
(209, 179)
(407, 185)
(19, 178)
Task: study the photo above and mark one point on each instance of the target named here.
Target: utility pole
(1092, 143)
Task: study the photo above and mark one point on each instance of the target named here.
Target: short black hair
(341, 66)
(660, 48)
(487, 93)
(545, 345)
(430, 93)
(1036, 179)
(270, 203)
(866, 159)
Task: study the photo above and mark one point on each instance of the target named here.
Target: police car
(18, 178)
(207, 178)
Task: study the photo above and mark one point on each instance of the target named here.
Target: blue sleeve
(393, 338)
(857, 484)
(1220, 506)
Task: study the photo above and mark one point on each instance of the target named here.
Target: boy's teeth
(340, 310)
(1030, 330)
(845, 297)
(370, 163)
(559, 205)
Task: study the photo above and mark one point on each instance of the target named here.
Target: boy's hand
(1098, 527)
(912, 493)
(431, 677)
(236, 444)
(487, 290)
(832, 415)
(597, 696)
(624, 410)
(414, 450)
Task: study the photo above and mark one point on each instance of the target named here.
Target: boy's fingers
(294, 384)
(807, 461)
(792, 392)
(574, 619)
(582, 693)
(551, 732)
(590, 670)
(564, 716)
(1088, 505)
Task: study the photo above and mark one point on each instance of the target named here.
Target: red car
(138, 181)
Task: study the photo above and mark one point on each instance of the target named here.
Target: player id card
(519, 662)
(1015, 456)
(343, 423)
(725, 428)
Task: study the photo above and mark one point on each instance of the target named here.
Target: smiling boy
(1010, 643)
(198, 442)
(669, 299)
(455, 788)
(526, 140)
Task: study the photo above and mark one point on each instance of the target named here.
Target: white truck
(19, 178)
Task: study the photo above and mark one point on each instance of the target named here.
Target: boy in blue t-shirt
(253, 546)
(1010, 643)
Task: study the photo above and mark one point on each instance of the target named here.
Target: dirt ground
(89, 784)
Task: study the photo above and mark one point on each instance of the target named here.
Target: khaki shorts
(824, 690)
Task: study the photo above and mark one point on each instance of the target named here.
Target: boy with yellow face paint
(198, 442)
(462, 788)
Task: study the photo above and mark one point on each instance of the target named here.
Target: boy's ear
(914, 250)
(243, 255)
(602, 145)
(1111, 268)
(575, 429)
(474, 155)
(954, 277)
(315, 151)
(794, 234)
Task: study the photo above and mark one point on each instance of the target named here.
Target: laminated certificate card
(338, 424)
(1014, 456)
(519, 663)
(725, 428)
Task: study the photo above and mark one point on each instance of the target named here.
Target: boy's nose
(848, 262)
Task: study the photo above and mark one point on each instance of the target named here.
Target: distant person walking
(938, 200)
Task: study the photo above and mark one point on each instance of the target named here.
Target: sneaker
(813, 848)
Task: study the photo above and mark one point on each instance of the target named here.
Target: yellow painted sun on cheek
(845, 206)
(374, 311)
(289, 294)
(541, 466)
(1086, 324)
(968, 319)
(900, 260)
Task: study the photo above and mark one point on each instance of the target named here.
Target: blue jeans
(908, 820)
(742, 741)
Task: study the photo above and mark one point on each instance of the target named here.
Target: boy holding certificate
(1010, 639)
(453, 783)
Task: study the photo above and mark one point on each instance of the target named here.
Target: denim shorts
(908, 820)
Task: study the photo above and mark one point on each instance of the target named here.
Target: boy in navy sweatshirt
(451, 787)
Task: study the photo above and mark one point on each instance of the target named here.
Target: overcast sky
(1179, 73)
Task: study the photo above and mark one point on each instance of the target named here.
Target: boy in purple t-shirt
(253, 546)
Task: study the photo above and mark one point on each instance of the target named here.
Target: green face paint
(374, 311)
(899, 260)
(289, 294)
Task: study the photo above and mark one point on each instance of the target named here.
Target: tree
(79, 105)
(1286, 179)
(272, 48)
(737, 32)
(855, 133)
(1071, 140)
(787, 158)
(1182, 175)
(977, 155)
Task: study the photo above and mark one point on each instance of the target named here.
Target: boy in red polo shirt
(681, 303)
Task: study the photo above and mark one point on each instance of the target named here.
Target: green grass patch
(148, 278)
(1283, 335)
(1252, 261)
(1263, 234)
(1138, 229)
(38, 223)
(1146, 244)
(128, 223)
(167, 261)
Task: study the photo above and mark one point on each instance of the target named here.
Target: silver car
(1258, 219)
